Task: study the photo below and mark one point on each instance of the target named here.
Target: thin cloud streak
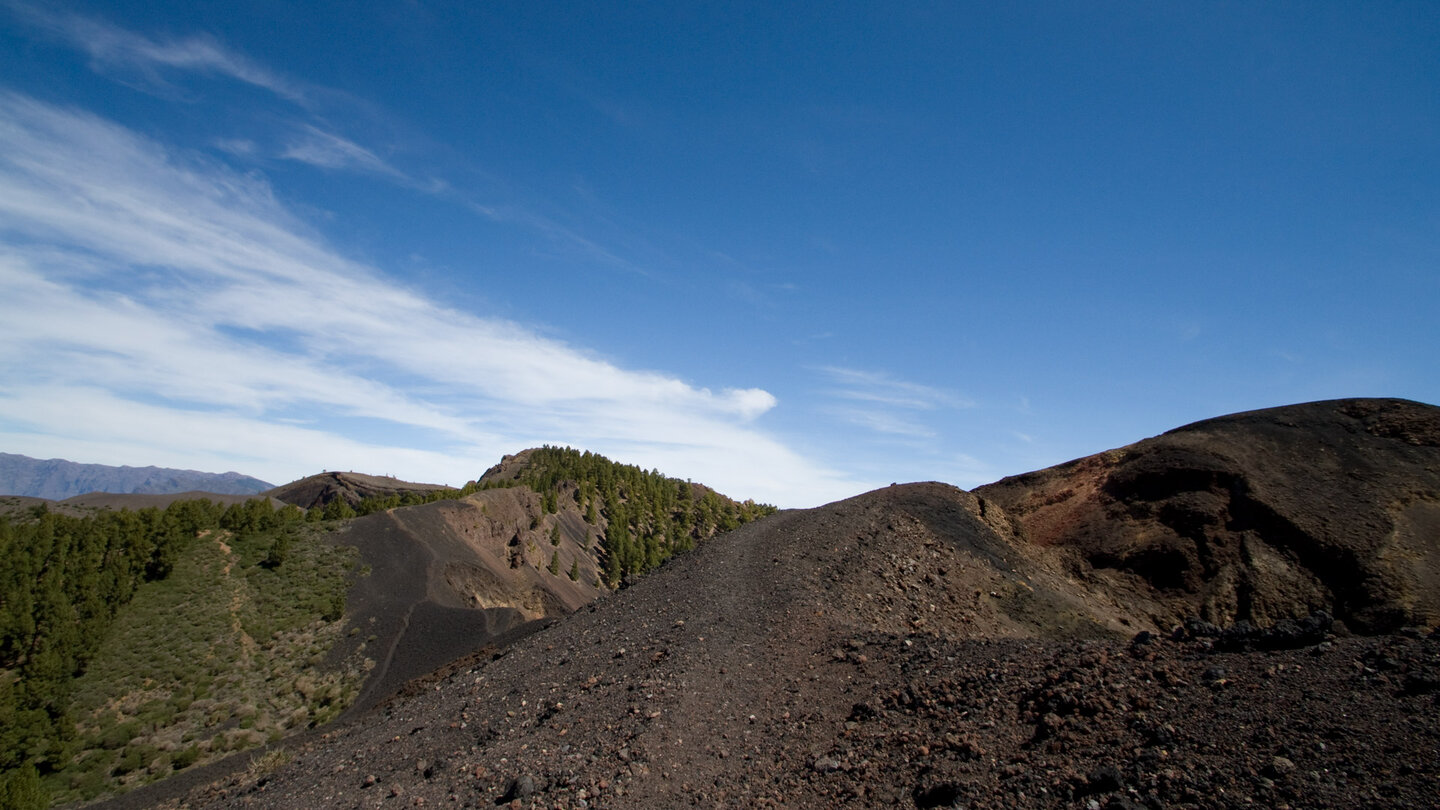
(122, 54)
(167, 283)
(327, 150)
(900, 418)
(111, 47)
(882, 422)
(885, 405)
(871, 386)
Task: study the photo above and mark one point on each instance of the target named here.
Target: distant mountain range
(57, 479)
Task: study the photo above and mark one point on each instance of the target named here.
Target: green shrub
(134, 758)
(186, 758)
(20, 789)
(117, 737)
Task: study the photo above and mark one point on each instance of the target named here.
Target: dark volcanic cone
(1258, 516)
(451, 577)
(321, 489)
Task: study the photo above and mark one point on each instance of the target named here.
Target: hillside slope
(57, 479)
(544, 533)
(1257, 516)
(922, 646)
(450, 577)
(350, 487)
(454, 573)
(877, 651)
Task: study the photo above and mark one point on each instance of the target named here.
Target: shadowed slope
(450, 577)
(1257, 516)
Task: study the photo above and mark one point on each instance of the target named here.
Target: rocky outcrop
(1257, 517)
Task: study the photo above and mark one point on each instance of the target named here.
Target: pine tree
(338, 509)
(20, 789)
(278, 552)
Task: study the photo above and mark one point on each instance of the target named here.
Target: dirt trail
(247, 644)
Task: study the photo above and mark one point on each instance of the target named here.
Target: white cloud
(239, 147)
(884, 404)
(158, 301)
(327, 150)
(112, 48)
(95, 425)
(883, 389)
(885, 422)
(905, 427)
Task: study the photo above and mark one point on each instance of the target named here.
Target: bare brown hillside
(1258, 516)
(321, 489)
(888, 650)
(447, 578)
(1039, 643)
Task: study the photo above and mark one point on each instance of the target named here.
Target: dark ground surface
(922, 646)
(352, 487)
(781, 665)
(1254, 516)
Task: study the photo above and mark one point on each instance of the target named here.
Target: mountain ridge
(58, 479)
(322, 488)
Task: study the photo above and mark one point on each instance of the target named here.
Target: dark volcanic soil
(1256, 516)
(445, 580)
(321, 489)
(891, 649)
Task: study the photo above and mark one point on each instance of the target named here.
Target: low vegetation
(135, 644)
(646, 517)
(341, 509)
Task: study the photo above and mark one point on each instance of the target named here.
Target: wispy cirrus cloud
(327, 150)
(878, 421)
(884, 404)
(117, 50)
(899, 419)
(883, 389)
(306, 135)
(150, 62)
(157, 299)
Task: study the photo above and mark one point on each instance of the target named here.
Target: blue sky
(794, 251)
